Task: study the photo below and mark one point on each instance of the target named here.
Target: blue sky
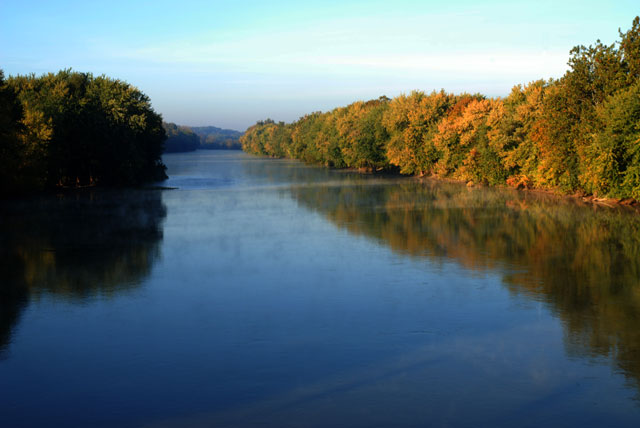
(232, 63)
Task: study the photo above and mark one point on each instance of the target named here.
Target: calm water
(268, 293)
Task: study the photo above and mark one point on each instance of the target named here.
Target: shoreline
(626, 203)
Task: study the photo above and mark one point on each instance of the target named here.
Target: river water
(261, 292)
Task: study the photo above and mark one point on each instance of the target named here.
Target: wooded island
(72, 129)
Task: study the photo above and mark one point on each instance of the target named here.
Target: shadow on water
(582, 261)
(75, 246)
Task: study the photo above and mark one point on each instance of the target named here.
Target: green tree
(11, 127)
(79, 130)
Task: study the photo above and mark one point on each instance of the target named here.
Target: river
(259, 292)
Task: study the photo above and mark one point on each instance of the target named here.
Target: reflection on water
(290, 296)
(75, 246)
(583, 261)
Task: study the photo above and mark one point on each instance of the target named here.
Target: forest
(190, 138)
(180, 138)
(578, 134)
(212, 138)
(72, 129)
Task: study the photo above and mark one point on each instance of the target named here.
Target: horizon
(229, 66)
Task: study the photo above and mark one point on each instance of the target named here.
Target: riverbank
(564, 135)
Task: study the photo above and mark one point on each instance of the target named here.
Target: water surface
(264, 292)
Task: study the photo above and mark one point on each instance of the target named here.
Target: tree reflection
(75, 246)
(583, 261)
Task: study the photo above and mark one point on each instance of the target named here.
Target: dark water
(268, 293)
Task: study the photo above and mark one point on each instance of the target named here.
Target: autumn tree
(578, 133)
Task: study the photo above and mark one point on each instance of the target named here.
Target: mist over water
(261, 292)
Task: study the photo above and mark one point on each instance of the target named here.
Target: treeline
(187, 139)
(72, 129)
(576, 134)
(180, 139)
(214, 138)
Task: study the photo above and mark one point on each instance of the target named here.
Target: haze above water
(264, 292)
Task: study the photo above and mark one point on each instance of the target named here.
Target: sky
(232, 63)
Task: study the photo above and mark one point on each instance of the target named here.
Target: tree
(78, 130)
(180, 138)
(11, 126)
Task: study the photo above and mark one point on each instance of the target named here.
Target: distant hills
(190, 138)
